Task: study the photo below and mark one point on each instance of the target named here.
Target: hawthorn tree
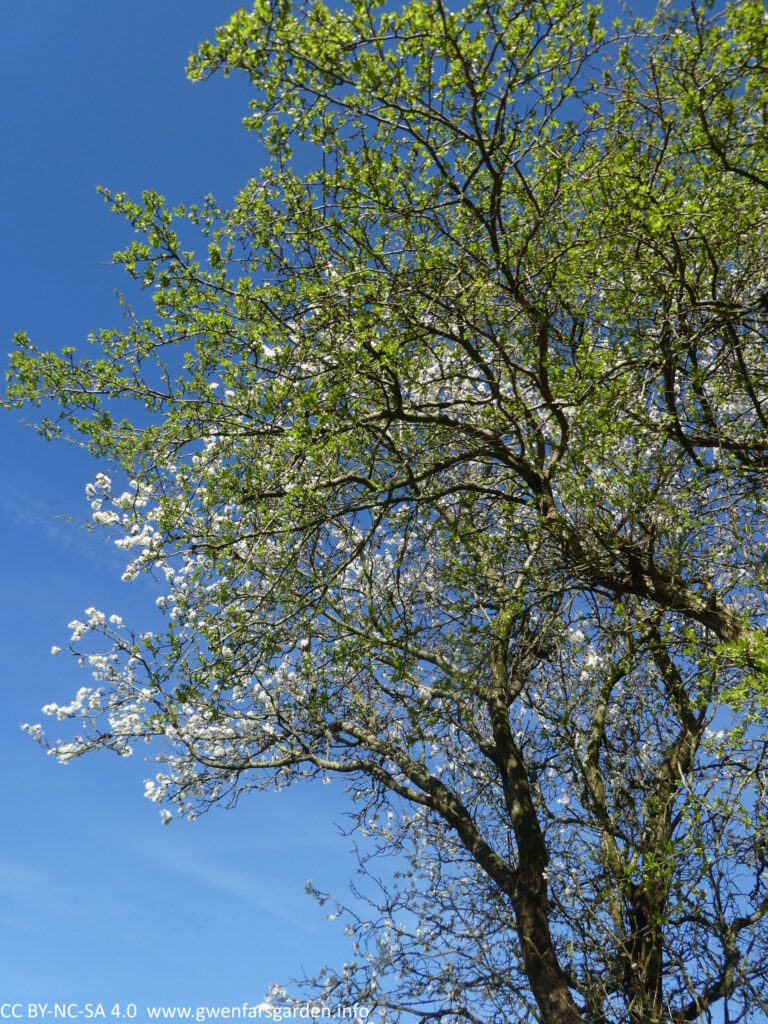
(452, 449)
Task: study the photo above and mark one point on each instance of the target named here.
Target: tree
(452, 452)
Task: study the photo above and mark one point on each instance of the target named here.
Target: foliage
(452, 452)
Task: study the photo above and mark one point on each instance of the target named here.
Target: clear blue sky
(97, 900)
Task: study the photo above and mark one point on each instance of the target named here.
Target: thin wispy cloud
(26, 510)
(43, 894)
(266, 894)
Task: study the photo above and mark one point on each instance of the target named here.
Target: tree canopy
(450, 442)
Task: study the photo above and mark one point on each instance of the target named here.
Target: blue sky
(97, 900)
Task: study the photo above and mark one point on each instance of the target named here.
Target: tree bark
(548, 982)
